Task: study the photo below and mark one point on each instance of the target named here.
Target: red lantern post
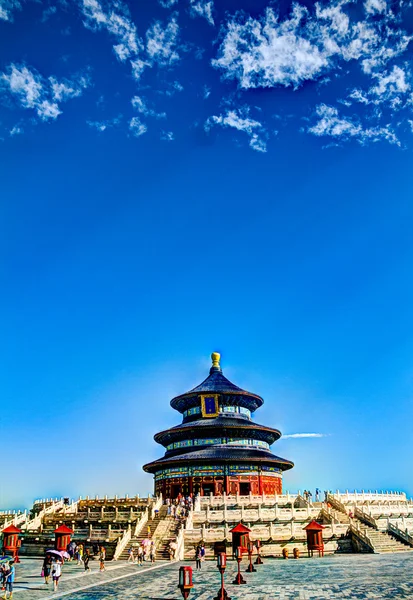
(11, 542)
(250, 568)
(221, 565)
(259, 559)
(62, 537)
(185, 581)
(238, 555)
(314, 538)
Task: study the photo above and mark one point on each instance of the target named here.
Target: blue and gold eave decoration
(209, 405)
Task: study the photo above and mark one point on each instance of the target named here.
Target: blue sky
(189, 176)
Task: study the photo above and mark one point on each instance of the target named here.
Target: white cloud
(167, 136)
(168, 3)
(240, 120)
(206, 92)
(375, 6)
(202, 8)
(141, 106)
(32, 91)
(48, 13)
(117, 22)
(269, 51)
(64, 89)
(7, 7)
(161, 42)
(137, 127)
(331, 124)
(16, 130)
(392, 88)
(104, 125)
(305, 435)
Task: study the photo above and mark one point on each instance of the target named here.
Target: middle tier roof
(222, 425)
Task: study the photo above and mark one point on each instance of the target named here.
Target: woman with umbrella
(47, 566)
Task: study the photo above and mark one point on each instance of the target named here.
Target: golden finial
(216, 357)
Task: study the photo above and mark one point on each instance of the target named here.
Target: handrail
(180, 544)
(156, 505)
(362, 535)
(141, 522)
(363, 516)
(399, 533)
(122, 543)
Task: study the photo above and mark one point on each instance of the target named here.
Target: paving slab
(352, 577)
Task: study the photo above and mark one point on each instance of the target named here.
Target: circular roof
(216, 383)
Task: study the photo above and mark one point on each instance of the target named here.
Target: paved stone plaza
(352, 577)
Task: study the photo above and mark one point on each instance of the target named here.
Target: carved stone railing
(404, 536)
(36, 522)
(122, 543)
(359, 497)
(180, 544)
(141, 522)
(365, 518)
(156, 506)
(361, 535)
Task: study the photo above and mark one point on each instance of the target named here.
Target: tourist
(148, 531)
(152, 552)
(10, 573)
(47, 567)
(102, 558)
(86, 560)
(131, 555)
(140, 556)
(202, 552)
(56, 573)
(198, 557)
(172, 549)
(3, 573)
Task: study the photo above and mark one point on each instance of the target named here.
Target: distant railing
(355, 497)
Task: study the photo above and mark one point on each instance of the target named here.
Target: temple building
(218, 447)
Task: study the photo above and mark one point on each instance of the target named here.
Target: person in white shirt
(56, 573)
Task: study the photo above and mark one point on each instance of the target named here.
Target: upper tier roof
(216, 383)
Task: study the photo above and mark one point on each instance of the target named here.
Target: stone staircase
(382, 542)
(162, 532)
(169, 536)
(378, 541)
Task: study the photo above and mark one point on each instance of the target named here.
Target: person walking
(10, 573)
(102, 558)
(56, 574)
(4, 568)
(140, 556)
(198, 557)
(148, 530)
(86, 560)
(152, 552)
(47, 566)
(131, 555)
